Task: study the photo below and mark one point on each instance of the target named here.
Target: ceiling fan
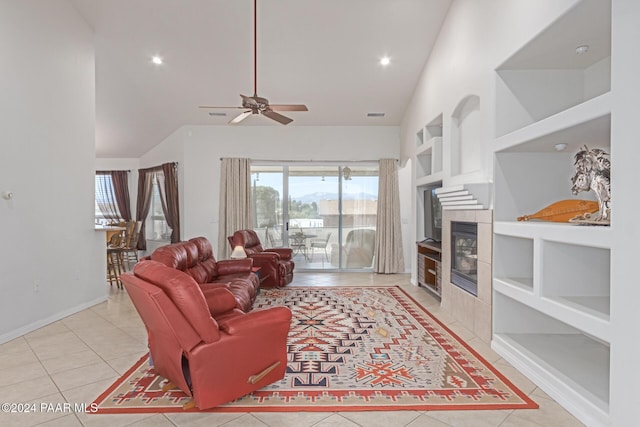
(256, 104)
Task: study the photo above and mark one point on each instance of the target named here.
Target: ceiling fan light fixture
(157, 60)
(385, 60)
(346, 173)
(581, 50)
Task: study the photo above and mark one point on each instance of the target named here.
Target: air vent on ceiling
(213, 113)
(375, 114)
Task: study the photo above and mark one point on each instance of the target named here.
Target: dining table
(110, 230)
(299, 243)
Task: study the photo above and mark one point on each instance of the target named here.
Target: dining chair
(320, 243)
(115, 261)
(130, 252)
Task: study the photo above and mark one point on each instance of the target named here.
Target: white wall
(52, 262)
(405, 175)
(198, 150)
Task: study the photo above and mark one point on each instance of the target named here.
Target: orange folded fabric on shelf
(563, 211)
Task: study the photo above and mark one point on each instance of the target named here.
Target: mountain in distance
(314, 197)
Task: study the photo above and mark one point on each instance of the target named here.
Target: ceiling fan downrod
(255, 48)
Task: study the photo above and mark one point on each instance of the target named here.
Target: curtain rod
(314, 161)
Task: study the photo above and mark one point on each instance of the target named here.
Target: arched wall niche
(466, 146)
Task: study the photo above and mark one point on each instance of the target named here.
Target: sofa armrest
(284, 253)
(265, 257)
(233, 266)
(268, 319)
(219, 298)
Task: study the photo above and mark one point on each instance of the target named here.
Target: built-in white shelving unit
(429, 152)
(552, 281)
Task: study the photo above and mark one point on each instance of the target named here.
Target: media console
(429, 272)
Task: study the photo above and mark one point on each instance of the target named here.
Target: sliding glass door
(325, 213)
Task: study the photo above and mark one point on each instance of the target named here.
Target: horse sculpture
(593, 170)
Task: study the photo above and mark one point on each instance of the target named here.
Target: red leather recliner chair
(209, 349)
(276, 265)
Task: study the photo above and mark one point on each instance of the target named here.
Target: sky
(300, 186)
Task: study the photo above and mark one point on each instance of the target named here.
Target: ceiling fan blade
(226, 108)
(240, 117)
(288, 107)
(277, 117)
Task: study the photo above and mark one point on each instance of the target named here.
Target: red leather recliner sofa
(208, 348)
(276, 265)
(195, 257)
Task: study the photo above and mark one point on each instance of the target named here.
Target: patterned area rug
(350, 349)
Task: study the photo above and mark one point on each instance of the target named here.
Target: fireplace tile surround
(473, 312)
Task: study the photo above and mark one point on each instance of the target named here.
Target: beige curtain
(235, 201)
(388, 249)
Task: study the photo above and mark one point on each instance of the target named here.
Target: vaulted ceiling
(322, 53)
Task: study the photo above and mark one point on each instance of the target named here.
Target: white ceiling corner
(322, 53)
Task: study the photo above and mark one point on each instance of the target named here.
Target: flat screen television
(432, 214)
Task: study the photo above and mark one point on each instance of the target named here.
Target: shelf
(598, 306)
(436, 142)
(561, 270)
(429, 266)
(429, 152)
(513, 260)
(465, 141)
(581, 317)
(424, 148)
(588, 22)
(426, 180)
(546, 76)
(522, 283)
(420, 138)
(575, 274)
(423, 162)
(592, 236)
(586, 123)
(432, 257)
(572, 367)
(434, 127)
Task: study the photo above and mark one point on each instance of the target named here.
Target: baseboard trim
(48, 320)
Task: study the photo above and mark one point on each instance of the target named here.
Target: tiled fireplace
(464, 256)
(466, 268)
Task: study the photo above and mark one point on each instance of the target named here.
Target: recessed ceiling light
(581, 50)
(156, 60)
(385, 60)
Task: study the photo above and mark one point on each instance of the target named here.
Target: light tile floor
(75, 359)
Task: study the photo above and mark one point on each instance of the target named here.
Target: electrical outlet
(36, 286)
